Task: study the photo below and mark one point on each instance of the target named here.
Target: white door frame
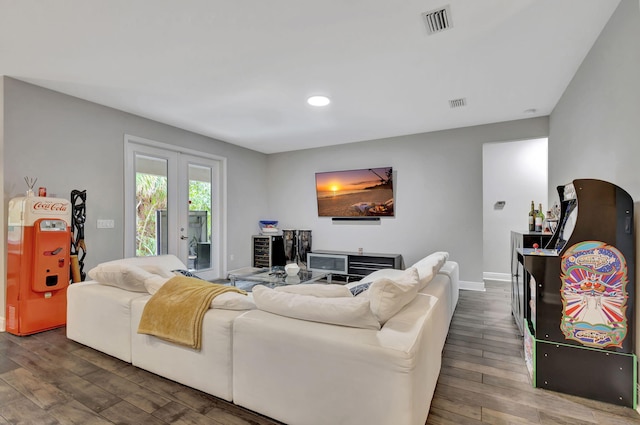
(135, 144)
(184, 161)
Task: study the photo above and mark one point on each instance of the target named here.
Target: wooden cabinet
(518, 278)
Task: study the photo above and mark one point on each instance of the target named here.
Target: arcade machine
(579, 318)
(38, 245)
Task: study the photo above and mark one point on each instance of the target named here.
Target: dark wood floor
(47, 379)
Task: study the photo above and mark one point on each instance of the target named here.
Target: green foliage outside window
(151, 196)
(200, 200)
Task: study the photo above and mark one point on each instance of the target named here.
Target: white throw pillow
(429, 266)
(233, 301)
(387, 297)
(121, 275)
(168, 261)
(345, 311)
(317, 290)
(157, 270)
(153, 283)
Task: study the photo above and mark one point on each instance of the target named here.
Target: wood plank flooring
(48, 379)
(484, 379)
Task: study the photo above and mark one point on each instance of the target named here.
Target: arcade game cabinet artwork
(38, 244)
(580, 312)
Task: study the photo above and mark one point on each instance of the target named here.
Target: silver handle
(183, 237)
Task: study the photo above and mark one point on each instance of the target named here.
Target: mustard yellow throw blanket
(176, 311)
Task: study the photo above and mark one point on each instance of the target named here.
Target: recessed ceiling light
(318, 101)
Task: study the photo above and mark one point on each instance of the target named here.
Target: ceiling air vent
(438, 20)
(458, 103)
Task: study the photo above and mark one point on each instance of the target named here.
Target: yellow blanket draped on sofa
(175, 313)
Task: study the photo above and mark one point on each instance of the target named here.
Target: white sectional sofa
(293, 370)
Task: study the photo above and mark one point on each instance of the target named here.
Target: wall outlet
(232, 257)
(106, 224)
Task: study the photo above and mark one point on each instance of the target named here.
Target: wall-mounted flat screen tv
(355, 193)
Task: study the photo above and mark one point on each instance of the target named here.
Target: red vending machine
(38, 245)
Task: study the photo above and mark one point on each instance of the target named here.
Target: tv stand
(352, 265)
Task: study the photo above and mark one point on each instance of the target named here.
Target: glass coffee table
(248, 277)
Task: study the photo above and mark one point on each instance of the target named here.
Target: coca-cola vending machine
(38, 245)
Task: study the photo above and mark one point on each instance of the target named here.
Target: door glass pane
(151, 206)
(199, 217)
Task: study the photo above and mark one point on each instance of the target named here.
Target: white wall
(438, 189)
(514, 172)
(595, 127)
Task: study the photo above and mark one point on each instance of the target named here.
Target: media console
(352, 264)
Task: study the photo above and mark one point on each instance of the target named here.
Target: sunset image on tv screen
(353, 193)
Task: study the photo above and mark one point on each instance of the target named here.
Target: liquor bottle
(539, 219)
(532, 217)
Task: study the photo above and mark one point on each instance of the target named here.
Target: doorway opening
(513, 174)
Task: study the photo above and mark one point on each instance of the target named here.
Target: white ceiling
(240, 70)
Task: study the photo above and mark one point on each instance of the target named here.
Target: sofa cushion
(317, 290)
(157, 269)
(154, 283)
(388, 273)
(429, 266)
(233, 301)
(389, 296)
(122, 275)
(346, 311)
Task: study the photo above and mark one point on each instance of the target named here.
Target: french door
(174, 205)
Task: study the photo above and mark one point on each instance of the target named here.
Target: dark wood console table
(352, 264)
(518, 284)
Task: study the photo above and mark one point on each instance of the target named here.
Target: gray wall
(69, 143)
(438, 189)
(595, 127)
(514, 172)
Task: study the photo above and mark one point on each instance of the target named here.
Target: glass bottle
(532, 217)
(539, 219)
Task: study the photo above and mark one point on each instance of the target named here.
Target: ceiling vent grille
(438, 20)
(458, 103)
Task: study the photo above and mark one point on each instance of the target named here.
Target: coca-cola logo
(50, 206)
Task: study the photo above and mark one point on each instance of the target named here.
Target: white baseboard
(496, 276)
(471, 286)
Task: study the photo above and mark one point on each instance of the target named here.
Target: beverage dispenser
(38, 245)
